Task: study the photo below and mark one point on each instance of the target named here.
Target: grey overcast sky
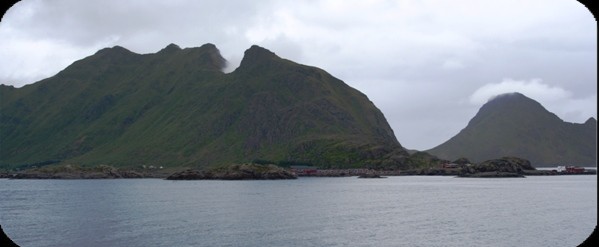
(429, 65)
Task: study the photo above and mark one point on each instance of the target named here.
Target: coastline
(160, 174)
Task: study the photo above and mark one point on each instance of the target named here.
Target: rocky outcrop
(462, 161)
(76, 172)
(504, 167)
(235, 172)
(431, 172)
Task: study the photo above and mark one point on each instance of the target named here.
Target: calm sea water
(396, 211)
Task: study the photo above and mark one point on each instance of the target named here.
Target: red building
(574, 169)
(304, 170)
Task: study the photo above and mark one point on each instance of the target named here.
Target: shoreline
(326, 173)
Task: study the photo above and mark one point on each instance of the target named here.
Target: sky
(428, 65)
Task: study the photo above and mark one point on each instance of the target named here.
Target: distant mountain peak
(115, 50)
(256, 55)
(170, 48)
(212, 56)
(591, 120)
(507, 101)
(509, 97)
(513, 94)
(209, 46)
(515, 125)
(255, 49)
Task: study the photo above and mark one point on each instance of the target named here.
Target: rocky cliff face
(177, 108)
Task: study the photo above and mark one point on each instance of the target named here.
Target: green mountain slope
(514, 125)
(177, 108)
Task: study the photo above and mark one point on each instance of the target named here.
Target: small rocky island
(235, 172)
(503, 167)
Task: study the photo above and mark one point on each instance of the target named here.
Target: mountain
(515, 125)
(177, 108)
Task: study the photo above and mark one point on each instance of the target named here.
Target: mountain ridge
(515, 125)
(177, 107)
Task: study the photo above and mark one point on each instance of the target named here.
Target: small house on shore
(570, 169)
(304, 170)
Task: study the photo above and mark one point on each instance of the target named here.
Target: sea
(309, 211)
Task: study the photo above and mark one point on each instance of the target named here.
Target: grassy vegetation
(176, 108)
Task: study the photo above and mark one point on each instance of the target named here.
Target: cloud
(534, 88)
(40, 38)
(569, 107)
(452, 64)
(418, 60)
(40, 58)
(578, 110)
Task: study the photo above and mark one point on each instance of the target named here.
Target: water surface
(395, 211)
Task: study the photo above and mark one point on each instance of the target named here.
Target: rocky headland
(79, 172)
(503, 167)
(235, 172)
